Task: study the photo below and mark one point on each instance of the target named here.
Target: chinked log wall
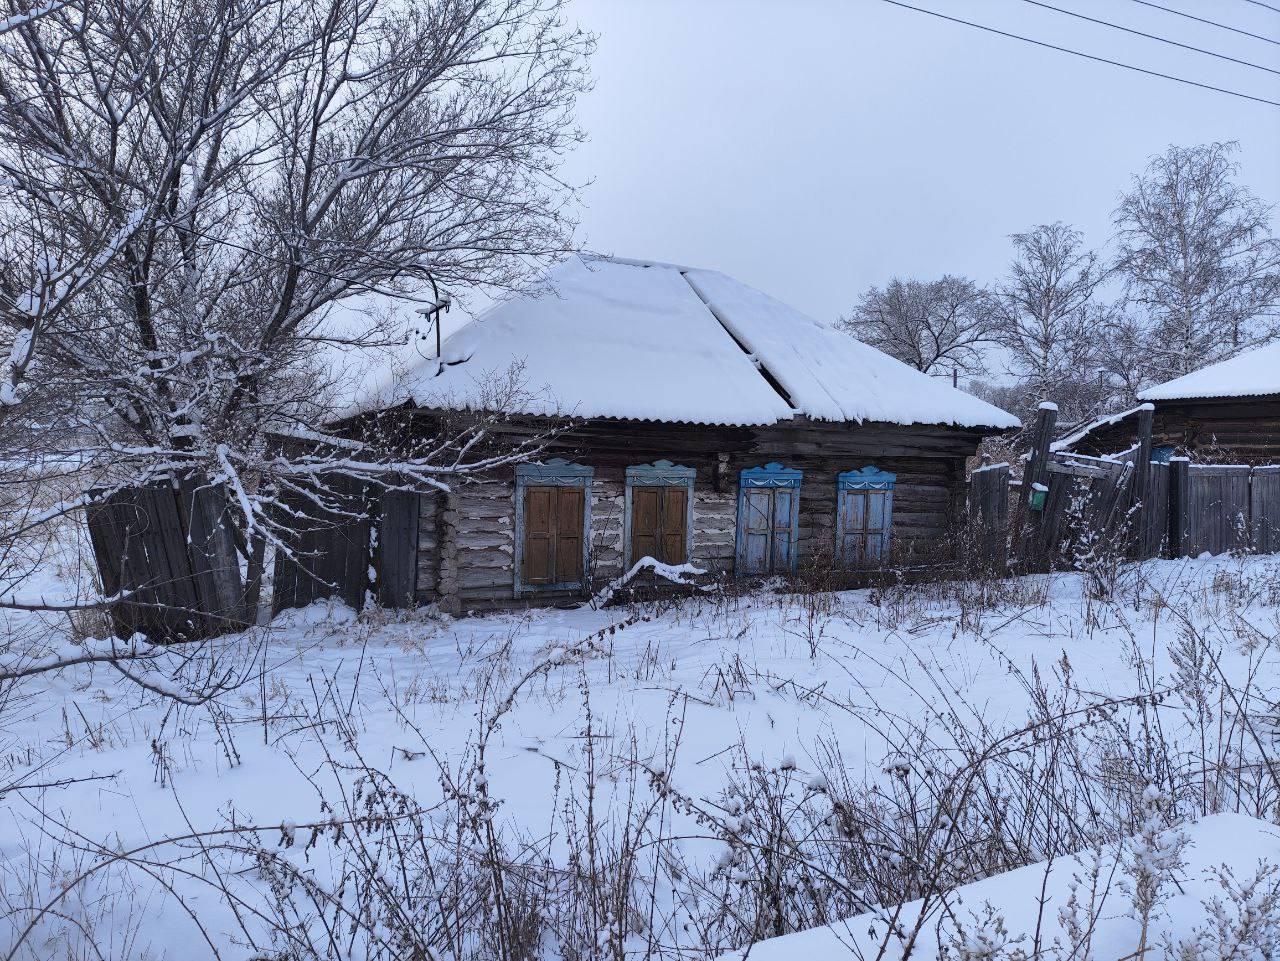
(467, 539)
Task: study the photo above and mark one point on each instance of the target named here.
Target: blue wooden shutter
(864, 516)
(768, 518)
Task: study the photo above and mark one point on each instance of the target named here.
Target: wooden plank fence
(1264, 510)
(1213, 508)
(1127, 503)
(364, 547)
(167, 547)
(989, 516)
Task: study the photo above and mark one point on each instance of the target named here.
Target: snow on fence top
(648, 341)
(1245, 375)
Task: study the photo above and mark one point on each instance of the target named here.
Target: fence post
(1179, 484)
(1141, 480)
(1038, 465)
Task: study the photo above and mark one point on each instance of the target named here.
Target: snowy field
(681, 780)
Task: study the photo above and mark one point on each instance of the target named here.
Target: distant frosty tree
(1197, 255)
(934, 326)
(1125, 355)
(1050, 324)
(187, 188)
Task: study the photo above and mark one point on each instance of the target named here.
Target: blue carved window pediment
(772, 474)
(556, 472)
(864, 515)
(661, 473)
(866, 478)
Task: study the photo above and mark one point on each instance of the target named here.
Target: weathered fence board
(989, 516)
(366, 542)
(1151, 523)
(1215, 510)
(1264, 510)
(168, 547)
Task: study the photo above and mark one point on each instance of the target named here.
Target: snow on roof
(1249, 374)
(1088, 427)
(641, 340)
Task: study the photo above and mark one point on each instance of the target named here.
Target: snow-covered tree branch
(188, 190)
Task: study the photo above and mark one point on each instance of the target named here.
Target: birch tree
(938, 326)
(188, 189)
(1198, 258)
(1050, 323)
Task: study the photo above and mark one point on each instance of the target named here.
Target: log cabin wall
(469, 564)
(1245, 430)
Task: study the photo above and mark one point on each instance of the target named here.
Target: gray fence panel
(396, 558)
(1264, 510)
(144, 548)
(1152, 520)
(1216, 510)
(989, 516)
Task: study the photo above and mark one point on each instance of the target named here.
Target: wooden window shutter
(539, 535)
(783, 505)
(865, 516)
(646, 510)
(675, 515)
(568, 529)
(757, 506)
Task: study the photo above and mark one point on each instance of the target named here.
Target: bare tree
(1125, 355)
(935, 326)
(1049, 321)
(1197, 255)
(188, 188)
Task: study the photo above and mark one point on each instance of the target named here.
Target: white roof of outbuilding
(640, 340)
(1250, 374)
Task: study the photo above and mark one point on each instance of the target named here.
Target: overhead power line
(1151, 36)
(1086, 56)
(1264, 6)
(1211, 23)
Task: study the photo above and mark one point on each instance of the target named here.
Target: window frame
(556, 472)
(772, 475)
(868, 478)
(661, 473)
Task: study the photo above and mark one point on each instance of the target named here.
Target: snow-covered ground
(753, 762)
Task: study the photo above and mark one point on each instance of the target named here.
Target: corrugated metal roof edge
(799, 416)
(1147, 395)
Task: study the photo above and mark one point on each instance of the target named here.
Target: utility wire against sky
(1264, 6)
(1211, 23)
(1151, 36)
(1087, 56)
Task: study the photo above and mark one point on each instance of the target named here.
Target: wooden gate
(365, 545)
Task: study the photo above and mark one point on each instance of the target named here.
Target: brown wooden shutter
(675, 505)
(539, 531)
(568, 527)
(646, 509)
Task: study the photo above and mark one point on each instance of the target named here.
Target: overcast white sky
(814, 147)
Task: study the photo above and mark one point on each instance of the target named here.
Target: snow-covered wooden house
(708, 424)
(1228, 411)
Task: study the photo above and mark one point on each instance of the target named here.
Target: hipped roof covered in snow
(1251, 374)
(648, 341)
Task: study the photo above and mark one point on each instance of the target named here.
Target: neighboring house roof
(1088, 428)
(639, 340)
(1250, 374)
